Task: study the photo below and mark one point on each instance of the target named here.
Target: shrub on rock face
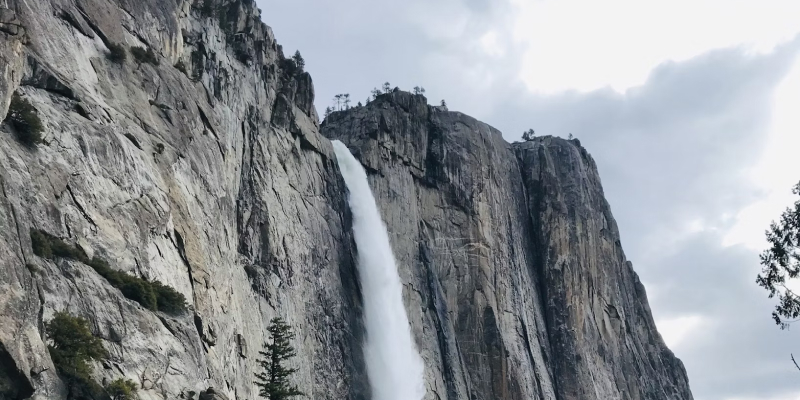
(122, 389)
(144, 56)
(72, 346)
(154, 295)
(25, 120)
(116, 53)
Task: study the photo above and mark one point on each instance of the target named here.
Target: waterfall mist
(394, 367)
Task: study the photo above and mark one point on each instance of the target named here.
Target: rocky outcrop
(208, 171)
(516, 282)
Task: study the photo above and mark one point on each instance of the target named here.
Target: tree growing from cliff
(299, 61)
(781, 263)
(375, 93)
(338, 100)
(122, 389)
(346, 101)
(528, 135)
(443, 103)
(72, 347)
(419, 90)
(387, 87)
(274, 379)
(25, 120)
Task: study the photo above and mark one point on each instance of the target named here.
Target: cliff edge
(199, 161)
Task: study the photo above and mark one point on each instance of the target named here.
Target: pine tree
(299, 61)
(387, 87)
(528, 135)
(444, 104)
(781, 264)
(375, 93)
(274, 380)
(338, 99)
(419, 90)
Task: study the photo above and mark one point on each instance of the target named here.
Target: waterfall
(394, 367)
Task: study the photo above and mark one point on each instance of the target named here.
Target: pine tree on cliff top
(274, 380)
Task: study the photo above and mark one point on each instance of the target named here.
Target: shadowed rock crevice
(14, 385)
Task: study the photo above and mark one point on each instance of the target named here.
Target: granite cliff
(208, 169)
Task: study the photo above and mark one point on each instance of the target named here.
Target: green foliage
(122, 389)
(144, 56)
(40, 242)
(274, 380)
(25, 120)
(781, 262)
(528, 135)
(299, 61)
(116, 53)
(72, 348)
(154, 295)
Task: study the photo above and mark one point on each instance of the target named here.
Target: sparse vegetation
(387, 87)
(122, 389)
(419, 90)
(72, 346)
(299, 61)
(274, 380)
(144, 55)
(160, 148)
(25, 120)
(443, 103)
(528, 135)
(781, 263)
(342, 101)
(154, 295)
(32, 268)
(116, 53)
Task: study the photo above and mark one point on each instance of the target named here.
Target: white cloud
(584, 45)
(788, 396)
(777, 171)
(675, 330)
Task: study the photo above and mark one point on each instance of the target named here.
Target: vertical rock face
(516, 281)
(209, 172)
(602, 334)
(206, 172)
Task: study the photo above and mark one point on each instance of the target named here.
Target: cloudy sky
(690, 107)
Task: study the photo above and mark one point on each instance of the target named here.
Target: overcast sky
(691, 109)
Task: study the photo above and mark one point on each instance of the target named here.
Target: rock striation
(512, 260)
(207, 169)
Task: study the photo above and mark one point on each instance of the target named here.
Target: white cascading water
(394, 367)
